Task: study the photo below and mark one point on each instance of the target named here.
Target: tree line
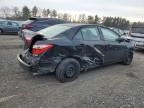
(23, 14)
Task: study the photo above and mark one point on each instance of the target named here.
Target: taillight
(39, 49)
(28, 26)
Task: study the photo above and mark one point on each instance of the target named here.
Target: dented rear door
(92, 47)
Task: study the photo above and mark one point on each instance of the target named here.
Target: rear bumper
(23, 64)
(35, 65)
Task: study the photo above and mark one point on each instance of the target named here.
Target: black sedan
(68, 49)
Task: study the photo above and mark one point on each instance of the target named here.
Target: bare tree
(97, 19)
(34, 11)
(65, 16)
(6, 11)
(39, 13)
(60, 15)
(44, 13)
(82, 18)
(26, 12)
(16, 12)
(53, 13)
(90, 19)
(47, 12)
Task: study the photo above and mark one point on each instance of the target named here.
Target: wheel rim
(70, 71)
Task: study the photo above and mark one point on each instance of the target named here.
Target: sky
(133, 10)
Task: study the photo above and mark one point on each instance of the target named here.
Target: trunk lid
(27, 38)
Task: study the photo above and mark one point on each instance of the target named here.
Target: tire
(68, 70)
(1, 31)
(128, 59)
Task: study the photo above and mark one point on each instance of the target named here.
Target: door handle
(81, 44)
(109, 46)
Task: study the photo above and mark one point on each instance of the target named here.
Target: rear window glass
(54, 30)
(137, 30)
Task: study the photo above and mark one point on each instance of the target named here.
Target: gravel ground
(114, 86)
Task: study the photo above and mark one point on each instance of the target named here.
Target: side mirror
(120, 39)
(124, 34)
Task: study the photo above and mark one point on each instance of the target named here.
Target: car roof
(37, 18)
(79, 24)
(7, 21)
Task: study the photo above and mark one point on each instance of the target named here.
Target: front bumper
(139, 45)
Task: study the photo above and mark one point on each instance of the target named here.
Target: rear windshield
(54, 30)
(138, 30)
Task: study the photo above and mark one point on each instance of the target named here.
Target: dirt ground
(114, 86)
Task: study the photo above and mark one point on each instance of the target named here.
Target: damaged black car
(68, 49)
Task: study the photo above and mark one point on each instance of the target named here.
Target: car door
(114, 49)
(90, 44)
(9, 27)
(15, 27)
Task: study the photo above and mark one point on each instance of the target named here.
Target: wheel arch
(73, 57)
(1, 29)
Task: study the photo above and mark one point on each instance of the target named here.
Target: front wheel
(128, 59)
(68, 70)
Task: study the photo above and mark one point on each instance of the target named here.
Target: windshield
(138, 30)
(53, 30)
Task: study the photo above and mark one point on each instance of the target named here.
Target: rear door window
(90, 33)
(78, 36)
(15, 24)
(9, 23)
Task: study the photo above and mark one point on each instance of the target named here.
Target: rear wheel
(68, 70)
(129, 59)
(1, 31)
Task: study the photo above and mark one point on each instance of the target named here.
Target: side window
(109, 35)
(9, 24)
(90, 33)
(15, 24)
(50, 22)
(41, 22)
(2, 22)
(78, 36)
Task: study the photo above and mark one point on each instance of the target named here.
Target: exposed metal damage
(67, 57)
